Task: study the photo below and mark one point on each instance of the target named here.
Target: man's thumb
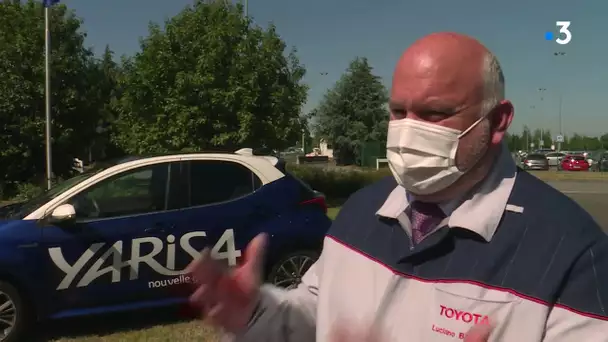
(254, 255)
(479, 333)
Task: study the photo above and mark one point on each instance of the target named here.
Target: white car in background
(554, 158)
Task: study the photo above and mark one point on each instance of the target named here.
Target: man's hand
(227, 298)
(479, 333)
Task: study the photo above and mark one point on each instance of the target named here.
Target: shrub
(337, 183)
(26, 191)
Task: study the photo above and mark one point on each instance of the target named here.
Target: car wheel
(288, 271)
(14, 314)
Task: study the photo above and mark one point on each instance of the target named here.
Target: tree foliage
(573, 142)
(353, 112)
(22, 92)
(209, 79)
(107, 92)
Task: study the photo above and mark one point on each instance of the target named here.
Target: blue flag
(49, 3)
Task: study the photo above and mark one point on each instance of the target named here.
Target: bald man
(459, 237)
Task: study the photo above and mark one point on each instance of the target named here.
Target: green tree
(578, 142)
(22, 91)
(353, 112)
(210, 79)
(526, 138)
(604, 140)
(547, 138)
(107, 93)
(541, 138)
(514, 142)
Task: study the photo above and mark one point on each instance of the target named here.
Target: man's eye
(434, 116)
(399, 114)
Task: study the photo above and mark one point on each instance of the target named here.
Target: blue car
(118, 238)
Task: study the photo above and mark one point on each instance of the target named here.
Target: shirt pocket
(457, 307)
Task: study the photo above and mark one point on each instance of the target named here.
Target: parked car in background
(554, 158)
(574, 163)
(589, 156)
(536, 161)
(543, 151)
(600, 161)
(120, 237)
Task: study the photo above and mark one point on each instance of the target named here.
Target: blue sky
(329, 33)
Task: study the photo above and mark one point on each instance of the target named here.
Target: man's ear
(501, 118)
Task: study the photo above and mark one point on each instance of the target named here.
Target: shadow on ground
(108, 324)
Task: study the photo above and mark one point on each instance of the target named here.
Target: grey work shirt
(502, 257)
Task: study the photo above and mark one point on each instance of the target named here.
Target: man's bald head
(454, 64)
(452, 80)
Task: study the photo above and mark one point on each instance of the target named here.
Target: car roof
(267, 168)
(267, 165)
(134, 159)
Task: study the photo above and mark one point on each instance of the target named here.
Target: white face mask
(422, 155)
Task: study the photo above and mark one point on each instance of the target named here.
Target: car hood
(4, 222)
(8, 225)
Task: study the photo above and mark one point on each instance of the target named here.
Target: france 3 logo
(563, 36)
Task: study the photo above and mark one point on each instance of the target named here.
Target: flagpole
(47, 91)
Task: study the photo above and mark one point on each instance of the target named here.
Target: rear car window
(578, 157)
(536, 157)
(215, 181)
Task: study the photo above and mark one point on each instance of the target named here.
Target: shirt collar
(480, 211)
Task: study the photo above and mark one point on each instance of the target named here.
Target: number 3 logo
(563, 30)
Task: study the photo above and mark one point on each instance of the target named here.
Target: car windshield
(537, 157)
(19, 211)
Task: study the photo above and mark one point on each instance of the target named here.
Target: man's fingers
(341, 335)
(205, 269)
(254, 256)
(198, 262)
(215, 315)
(479, 333)
(199, 296)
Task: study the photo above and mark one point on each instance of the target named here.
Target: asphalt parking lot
(591, 195)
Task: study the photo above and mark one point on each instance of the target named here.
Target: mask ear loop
(472, 126)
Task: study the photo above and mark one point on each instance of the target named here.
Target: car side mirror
(65, 213)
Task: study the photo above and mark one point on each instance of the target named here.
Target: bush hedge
(337, 183)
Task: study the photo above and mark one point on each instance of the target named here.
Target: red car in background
(574, 163)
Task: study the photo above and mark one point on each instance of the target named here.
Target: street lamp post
(47, 94)
(561, 131)
(528, 146)
(541, 143)
(559, 143)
